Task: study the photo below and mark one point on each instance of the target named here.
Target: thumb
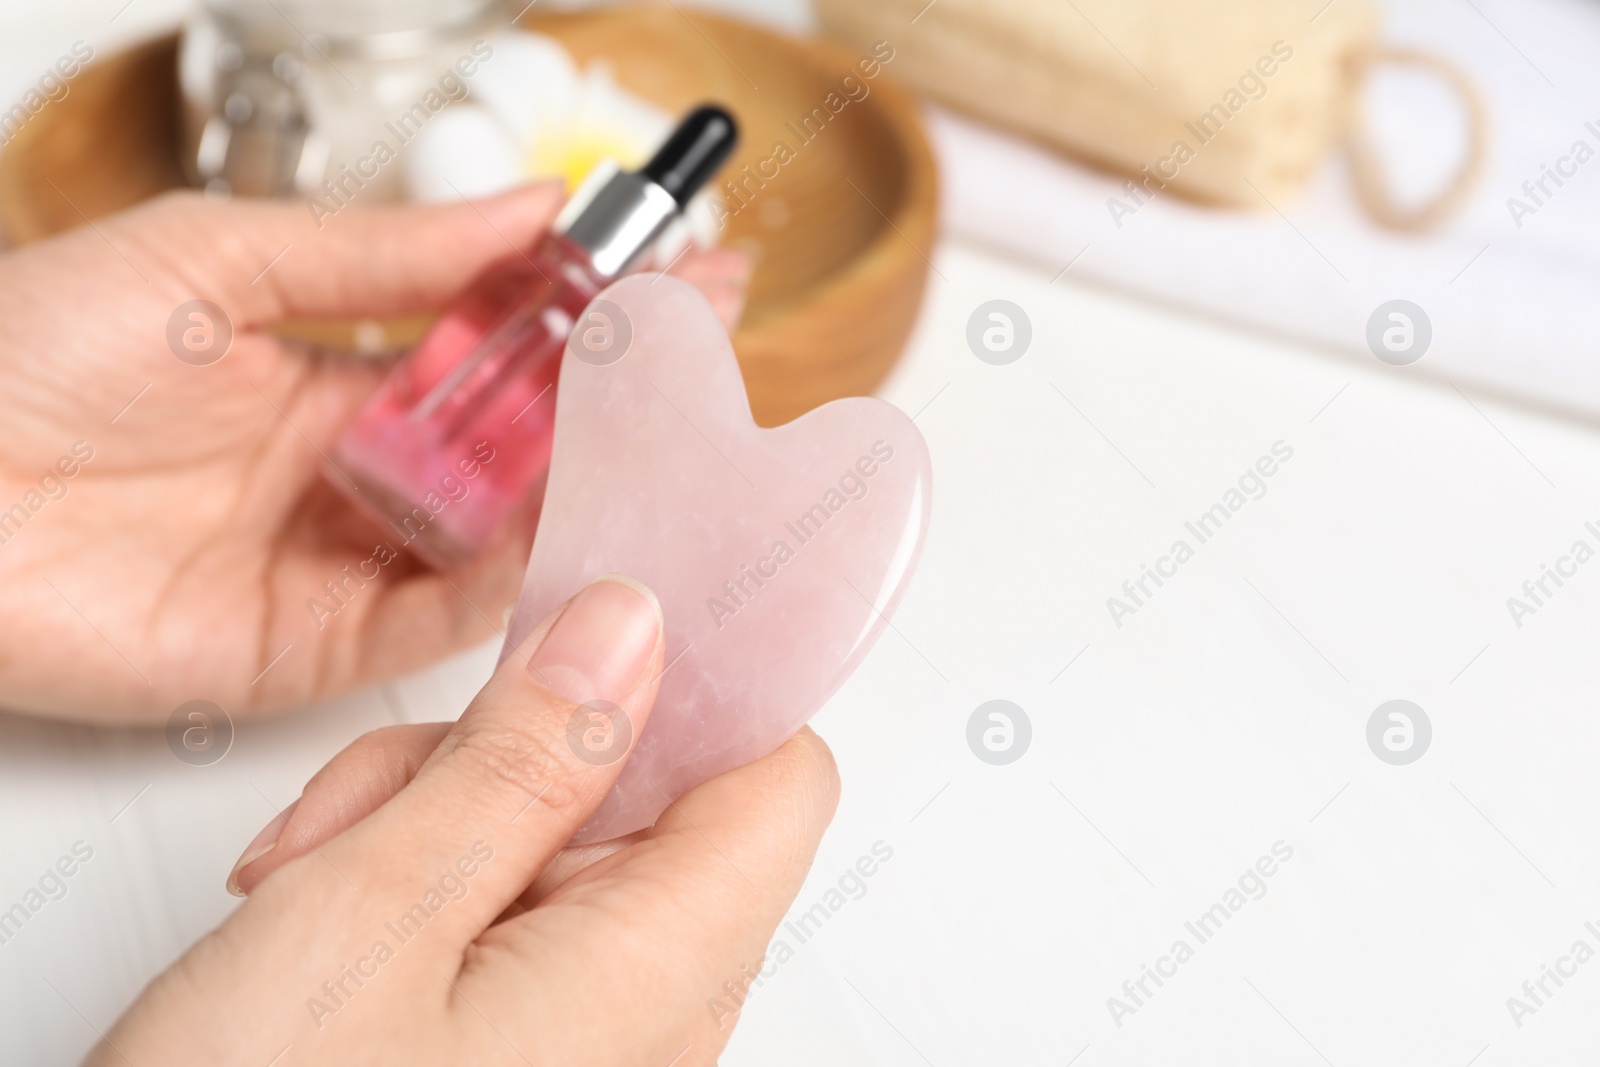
(516, 777)
(264, 261)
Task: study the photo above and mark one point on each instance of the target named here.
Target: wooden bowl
(839, 234)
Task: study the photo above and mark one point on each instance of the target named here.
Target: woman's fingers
(365, 261)
(689, 911)
(371, 260)
(723, 275)
(749, 835)
(370, 770)
(353, 785)
(512, 781)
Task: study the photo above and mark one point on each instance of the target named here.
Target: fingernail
(601, 645)
(264, 842)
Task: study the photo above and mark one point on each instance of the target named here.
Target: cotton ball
(529, 82)
(462, 151)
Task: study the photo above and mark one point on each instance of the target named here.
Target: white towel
(1509, 306)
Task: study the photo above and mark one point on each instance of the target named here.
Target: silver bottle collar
(617, 220)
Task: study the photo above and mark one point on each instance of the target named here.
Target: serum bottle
(458, 437)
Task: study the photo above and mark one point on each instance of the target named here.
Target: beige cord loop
(1371, 181)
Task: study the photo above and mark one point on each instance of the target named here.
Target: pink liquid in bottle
(458, 437)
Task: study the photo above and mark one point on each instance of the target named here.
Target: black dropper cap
(701, 144)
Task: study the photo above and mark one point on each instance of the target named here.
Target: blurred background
(1325, 263)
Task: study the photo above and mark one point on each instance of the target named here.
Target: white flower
(533, 114)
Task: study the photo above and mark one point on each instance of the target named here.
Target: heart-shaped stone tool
(778, 555)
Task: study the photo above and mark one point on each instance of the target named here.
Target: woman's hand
(434, 929)
(176, 559)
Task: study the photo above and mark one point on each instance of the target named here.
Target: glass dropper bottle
(457, 439)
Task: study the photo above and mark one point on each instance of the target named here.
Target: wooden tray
(840, 234)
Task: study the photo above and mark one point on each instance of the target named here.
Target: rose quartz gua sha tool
(778, 555)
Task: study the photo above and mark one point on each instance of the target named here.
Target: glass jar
(283, 97)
